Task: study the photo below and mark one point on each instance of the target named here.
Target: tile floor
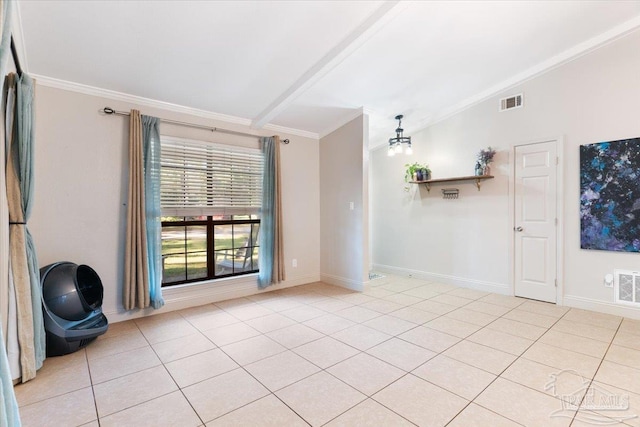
(405, 352)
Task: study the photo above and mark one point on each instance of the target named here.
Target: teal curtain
(9, 413)
(25, 128)
(151, 147)
(270, 261)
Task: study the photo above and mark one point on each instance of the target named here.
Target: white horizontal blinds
(202, 178)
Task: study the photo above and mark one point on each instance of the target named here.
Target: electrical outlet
(294, 263)
(608, 280)
(351, 206)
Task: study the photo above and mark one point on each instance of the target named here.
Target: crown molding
(344, 120)
(378, 146)
(550, 64)
(569, 55)
(563, 58)
(134, 99)
(148, 102)
(292, 131)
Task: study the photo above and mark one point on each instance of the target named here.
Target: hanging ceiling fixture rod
(395, 144)
(111, 111)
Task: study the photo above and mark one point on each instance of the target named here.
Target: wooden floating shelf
(476, 179)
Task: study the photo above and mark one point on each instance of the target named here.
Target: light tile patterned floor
(405, 352)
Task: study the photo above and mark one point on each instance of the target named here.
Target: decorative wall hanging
(610, 195)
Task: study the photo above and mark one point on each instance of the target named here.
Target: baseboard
(343, 282)
(601, 306)
(206, 293)
(496, 288)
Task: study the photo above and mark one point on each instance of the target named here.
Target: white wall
(594, 98)
(344, 258)
(81, 192)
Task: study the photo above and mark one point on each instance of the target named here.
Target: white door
(535, 221)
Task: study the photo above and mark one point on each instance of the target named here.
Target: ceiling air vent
(626, 287)
(511, 102)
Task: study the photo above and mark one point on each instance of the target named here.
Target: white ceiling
(313, 65)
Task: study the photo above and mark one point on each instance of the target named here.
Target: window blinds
(202, 178)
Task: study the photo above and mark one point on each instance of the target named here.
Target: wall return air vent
(511, 102)
(626, 286)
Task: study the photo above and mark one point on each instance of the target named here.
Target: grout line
(315, 291)
(516, 359)
(535, 341)
(141, 370)
(499, 376)
(596, 373)
(176, 383)
(93, 392)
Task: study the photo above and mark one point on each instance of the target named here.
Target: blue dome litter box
(72, 307)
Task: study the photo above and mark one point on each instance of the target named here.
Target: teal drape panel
(270, 262)
(151, 146)
(24, 273)
(25, 129)
(266, 236)
(9, 414)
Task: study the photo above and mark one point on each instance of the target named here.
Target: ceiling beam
(333, 58)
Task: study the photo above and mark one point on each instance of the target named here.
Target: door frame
(559, 190)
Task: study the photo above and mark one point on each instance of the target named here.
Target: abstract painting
(610, 196)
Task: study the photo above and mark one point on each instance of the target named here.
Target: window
(210, 196)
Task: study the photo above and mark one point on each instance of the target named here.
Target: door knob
(518, 229)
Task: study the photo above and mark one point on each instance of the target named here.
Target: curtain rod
(16, 59)
(111, 111)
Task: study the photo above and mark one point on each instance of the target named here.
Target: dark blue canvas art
(610, 195)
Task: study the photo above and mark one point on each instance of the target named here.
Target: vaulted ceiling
(313, 65)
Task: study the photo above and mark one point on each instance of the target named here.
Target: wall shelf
(474, 178)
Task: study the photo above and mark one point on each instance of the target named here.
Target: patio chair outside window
(231, 261)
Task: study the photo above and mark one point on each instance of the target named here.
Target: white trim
(134, 99)
(343, 282)
(380, 146)
(480, 285)
(556, 61)
(167, 106)
(559, 192)
(601, 306)
(186, 296)
(511, 247)
(291, 131)
(560, 215)
(343, 121)
(328, 62)
(550, 64)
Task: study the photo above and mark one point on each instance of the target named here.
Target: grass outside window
(208, 247)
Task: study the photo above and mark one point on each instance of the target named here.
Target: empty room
(320, 213)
